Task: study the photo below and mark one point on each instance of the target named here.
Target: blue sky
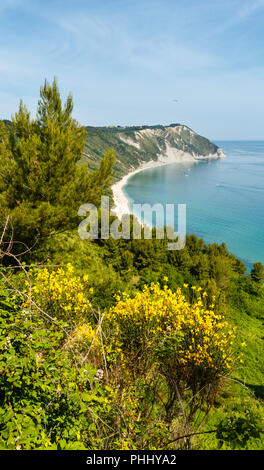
(126, 61)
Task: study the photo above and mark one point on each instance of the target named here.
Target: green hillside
(134, 145)
(116, 344)
(138, 144)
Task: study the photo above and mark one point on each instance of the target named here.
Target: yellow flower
(60, 293)
(157, 312)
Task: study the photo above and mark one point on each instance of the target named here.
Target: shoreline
(122, 203)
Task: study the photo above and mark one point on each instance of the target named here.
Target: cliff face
(137, 145)
(141, 144)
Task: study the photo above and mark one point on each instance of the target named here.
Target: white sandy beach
(121, 201)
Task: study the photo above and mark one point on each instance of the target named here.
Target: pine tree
(257, 273)
(43, 180)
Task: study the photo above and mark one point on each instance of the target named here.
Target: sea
(224, 198)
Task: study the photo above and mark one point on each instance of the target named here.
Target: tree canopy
(43, 179)
(257, 273)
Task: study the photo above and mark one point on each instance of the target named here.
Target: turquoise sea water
(224, 198)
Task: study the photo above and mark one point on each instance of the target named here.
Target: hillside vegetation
(136, 145)
(139, 144)
(114, 344)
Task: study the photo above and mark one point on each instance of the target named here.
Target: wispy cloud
(125, 60)
(238, 13)
(159, 52)
(11, 4)
(249, 9)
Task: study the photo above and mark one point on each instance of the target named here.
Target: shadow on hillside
(258, 390)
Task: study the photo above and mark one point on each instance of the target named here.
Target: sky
(140, 62)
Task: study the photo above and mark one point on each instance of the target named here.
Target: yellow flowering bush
(61, 293)
(159, 318)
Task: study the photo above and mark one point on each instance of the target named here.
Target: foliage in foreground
(45, 396)
(86, 366)
(143, 374)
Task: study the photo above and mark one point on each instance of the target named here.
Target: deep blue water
(224, 198)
